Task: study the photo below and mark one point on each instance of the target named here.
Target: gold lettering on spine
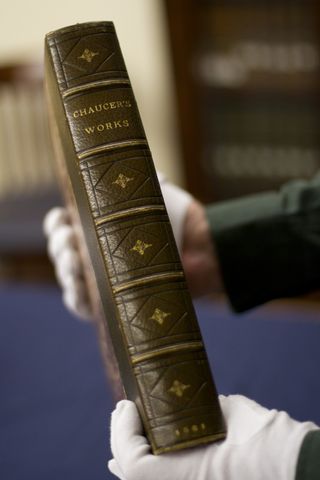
(92, 109)
(101, 127)
(89, 130)
(190, 429)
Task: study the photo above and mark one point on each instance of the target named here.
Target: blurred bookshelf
(248, 81)
(28, 188)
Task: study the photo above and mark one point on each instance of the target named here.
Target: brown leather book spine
(145, 300)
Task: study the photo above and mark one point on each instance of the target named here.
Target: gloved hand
(62, 246)
(261, 444)
(63, 251)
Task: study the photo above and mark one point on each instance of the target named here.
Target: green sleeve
(308, 467)
(268, 245)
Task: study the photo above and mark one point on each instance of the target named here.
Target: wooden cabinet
(247, 80)
(27, 183)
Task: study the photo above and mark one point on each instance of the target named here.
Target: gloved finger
(177, 202)
(226, 401)
(133, 456)
(73, 283)
(244, 418)
(115, 469)
(68, 263)
(60, 239)
(128, 444)
(76, 299)
(161, 177)
(54, 218)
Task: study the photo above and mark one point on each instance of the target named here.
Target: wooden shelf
(208, 36)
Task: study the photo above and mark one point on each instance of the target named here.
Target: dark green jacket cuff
(268, 245)
(308, 467)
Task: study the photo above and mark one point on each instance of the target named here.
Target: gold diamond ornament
(122, 180)
(140, 247)
(159, 316)
(178, 388)
(88, 55)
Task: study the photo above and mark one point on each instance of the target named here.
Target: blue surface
(271, 354)
(54, 402)
(53, 399)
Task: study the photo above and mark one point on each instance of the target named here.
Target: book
(107, 168)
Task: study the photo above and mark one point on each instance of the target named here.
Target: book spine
(146, 303)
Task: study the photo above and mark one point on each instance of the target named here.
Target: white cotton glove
(177, 202)
(62, 247)
(261, 444)
(63, 251)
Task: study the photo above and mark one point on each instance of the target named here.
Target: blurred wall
(142, 33)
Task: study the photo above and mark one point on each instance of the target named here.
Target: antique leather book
(147, 309)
